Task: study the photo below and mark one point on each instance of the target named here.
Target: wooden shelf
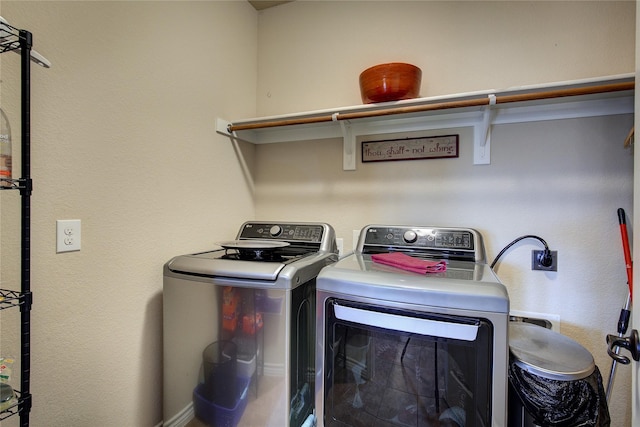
(480, 110)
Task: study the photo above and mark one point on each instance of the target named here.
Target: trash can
(220, 365)
(553, 380)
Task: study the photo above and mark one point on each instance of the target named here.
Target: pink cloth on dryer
(409, 263)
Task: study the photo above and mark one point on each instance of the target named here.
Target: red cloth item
(406, 262)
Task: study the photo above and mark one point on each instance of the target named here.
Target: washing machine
(239, 327)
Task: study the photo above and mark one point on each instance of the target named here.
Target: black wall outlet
(536, 261)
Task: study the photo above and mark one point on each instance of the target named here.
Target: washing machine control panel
(282, 231)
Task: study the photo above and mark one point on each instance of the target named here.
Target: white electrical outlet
(68, 235)
(340, 245)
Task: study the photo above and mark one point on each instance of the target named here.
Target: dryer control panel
(447, 242)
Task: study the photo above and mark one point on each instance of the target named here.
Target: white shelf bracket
(482, 137)
(348, 144)
(222, 126)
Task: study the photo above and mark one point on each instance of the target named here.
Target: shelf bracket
(222, 127)
(348, 144)
(482, 137)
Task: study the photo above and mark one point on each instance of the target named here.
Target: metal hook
(631, 343)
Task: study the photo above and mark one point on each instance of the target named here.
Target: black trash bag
(554, 403)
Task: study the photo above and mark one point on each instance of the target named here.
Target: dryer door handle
(414, 325)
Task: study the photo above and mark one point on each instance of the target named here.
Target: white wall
(561, 180)
(123, 139)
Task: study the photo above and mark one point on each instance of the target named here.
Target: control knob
(410, 236)
(275, 230)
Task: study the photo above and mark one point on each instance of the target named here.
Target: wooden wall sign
(429, 147)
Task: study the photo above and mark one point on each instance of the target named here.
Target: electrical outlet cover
(535, 261)
(68, 235)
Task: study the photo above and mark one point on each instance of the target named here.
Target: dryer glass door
(388, 366)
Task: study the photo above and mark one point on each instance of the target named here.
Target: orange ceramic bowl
(390, 82)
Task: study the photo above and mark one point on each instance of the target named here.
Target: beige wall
(311, 52)
(124, 140)
(562, 180)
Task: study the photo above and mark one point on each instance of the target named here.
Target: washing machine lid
(210, 264)
(464, 285)
(212, 267)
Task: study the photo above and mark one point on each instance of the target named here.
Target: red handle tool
(625, 247)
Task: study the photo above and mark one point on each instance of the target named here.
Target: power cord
(546, 260)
